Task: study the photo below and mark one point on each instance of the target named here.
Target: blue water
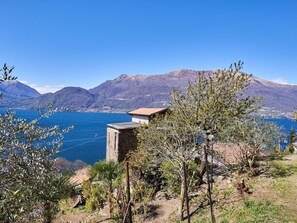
(87, 141)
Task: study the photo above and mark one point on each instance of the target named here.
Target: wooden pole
(129, 217)
(186, 190)
(206, 149)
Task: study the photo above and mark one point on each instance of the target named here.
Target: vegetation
(252, 136)
(186, 133)
(175, 155)
(6, 75)
(110, 175)
(30, 185)
(292, 140)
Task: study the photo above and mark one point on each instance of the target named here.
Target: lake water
(87, 141)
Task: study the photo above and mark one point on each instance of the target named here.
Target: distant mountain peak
(127, 92)
(122, 76)
(17, 90)
(10, 82)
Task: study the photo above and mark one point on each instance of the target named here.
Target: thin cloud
(43, 89)
(281, 81)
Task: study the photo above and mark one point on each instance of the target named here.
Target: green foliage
(108, 172)
(30, 185)
(110, 175)
(251, 135)
(196, 115)
(142, 195)
(95, 195)
(215, 98)
(172, 179)
(262, 211)
(6, 74)
(145, 167)
(250, 211)
(279, 169)
(291, 148)
(292, 135)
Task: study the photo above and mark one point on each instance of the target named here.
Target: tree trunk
(202, 170)
(211, 170)
(185, 172)
(129, 210)
(181, 207)
(251, 163)
(110, 200)
(208, 181)
(47, 212)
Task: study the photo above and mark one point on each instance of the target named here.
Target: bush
(291, 148)
(95, 196)
(173, 179)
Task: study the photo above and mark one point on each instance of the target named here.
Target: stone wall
(119, 142)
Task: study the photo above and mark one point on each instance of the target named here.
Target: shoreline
(262, 113)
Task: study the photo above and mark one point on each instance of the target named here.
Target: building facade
(121, 137)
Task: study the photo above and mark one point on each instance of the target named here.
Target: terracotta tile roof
(80, 176)
(147, 111)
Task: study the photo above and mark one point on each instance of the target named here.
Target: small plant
(110, 174)
(291, 148)
(95, 196)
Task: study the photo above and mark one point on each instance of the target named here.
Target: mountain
(132, 91)
(129, 92)
(12, 90)
(281, 97)
(73, 98)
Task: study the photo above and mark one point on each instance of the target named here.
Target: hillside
(272, 198)
(132, 91)
(12, 90)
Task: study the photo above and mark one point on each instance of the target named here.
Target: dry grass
(273, 199)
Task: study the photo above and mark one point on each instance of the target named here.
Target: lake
(87, 141)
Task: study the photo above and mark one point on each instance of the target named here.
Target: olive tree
(252, 136)
(30, 185)
(204, 109)
(6, 75)
(211, 101)
(168, 139)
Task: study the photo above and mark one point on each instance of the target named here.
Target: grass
(258, 211)
(248, 211)
(280, 169)
(282, 186)
(273, 199)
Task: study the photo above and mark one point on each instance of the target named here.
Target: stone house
(121, 138)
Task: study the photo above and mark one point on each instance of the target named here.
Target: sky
(58, 43)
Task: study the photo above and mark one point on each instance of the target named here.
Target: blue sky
(56, 43)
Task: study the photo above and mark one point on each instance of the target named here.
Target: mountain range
(128, 92)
